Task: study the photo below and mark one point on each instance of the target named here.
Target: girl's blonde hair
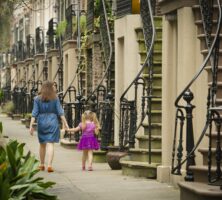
(89, 115)
(47, 92)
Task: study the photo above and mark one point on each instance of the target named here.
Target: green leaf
(11, 159)
(1, 128)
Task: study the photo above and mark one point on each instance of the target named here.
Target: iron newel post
(188, 97)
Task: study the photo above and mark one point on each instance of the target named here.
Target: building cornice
(167, 6)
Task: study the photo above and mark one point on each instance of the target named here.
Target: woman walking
(46, 110)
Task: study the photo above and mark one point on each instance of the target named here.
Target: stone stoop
(136, 163)
(68, 144)
(200, 188)
(99, 156)
(138, 169)
(199, 191)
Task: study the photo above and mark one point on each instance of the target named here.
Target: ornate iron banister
(106, 44)
(128, 109)
(212, 111)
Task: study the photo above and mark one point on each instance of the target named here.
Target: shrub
(8, 107)
(17, 173)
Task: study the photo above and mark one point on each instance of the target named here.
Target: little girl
(88, 142)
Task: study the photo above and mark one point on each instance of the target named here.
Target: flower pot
(113, 157)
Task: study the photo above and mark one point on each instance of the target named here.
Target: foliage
(1, 128)
(96, 8)
(28, 115)
(82, 23)
(1, 94)
(17, 173)
(61, 29)
(8, 107)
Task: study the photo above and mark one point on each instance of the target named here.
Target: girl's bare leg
(90, 158)
(84, 158)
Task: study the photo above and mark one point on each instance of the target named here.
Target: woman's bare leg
(50, 150)
(42, 151)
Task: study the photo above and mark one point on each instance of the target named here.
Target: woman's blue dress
(47, 114)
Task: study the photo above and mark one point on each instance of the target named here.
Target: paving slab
(101, 184)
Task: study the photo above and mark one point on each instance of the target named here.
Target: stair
(200, 188)
(137, 162)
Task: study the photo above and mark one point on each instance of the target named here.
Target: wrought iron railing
(101, 95)
(131, 118)
(39, 40)
(90, 15)
(20, 51)
(70, 13)
(52, 40)
(30, 50)
(213, 118)
(123, 7)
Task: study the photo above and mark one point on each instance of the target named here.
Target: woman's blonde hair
(48, 92)
(89, 115)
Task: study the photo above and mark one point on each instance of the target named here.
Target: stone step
(157, 56)
(140, 35)
(205, 52)
(99, 156)
(68, 144)
(204, 152)
(156, 103)
(219, 74)
(157, 79)
(144, 141)
(214, 138)
(157, 68)
(197, 12)
(202, 39)
(219, 89)
(157, 45)
(139, 169)
(200, 173)
(199, 191)
(142, 155)
(155, 128)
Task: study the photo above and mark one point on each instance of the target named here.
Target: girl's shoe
(90, 169)
(41, 167)
(50, 169)
(83, 168)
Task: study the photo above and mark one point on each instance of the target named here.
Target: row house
(151, 71)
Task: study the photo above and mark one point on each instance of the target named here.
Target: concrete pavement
(100, 184)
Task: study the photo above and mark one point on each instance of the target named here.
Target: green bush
(17, 173)
(61, 29)
(8, 107)
(28, 115)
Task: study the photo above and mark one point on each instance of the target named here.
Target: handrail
(109, 56)
(202, 67)
(147, 63)
(149, 53)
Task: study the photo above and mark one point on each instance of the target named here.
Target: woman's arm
(31, 129)
(66, 126)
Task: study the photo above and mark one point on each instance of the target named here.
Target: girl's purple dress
(88, 140)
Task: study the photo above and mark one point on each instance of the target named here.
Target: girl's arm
(74, 129)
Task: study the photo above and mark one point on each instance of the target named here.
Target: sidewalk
(100, 184)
